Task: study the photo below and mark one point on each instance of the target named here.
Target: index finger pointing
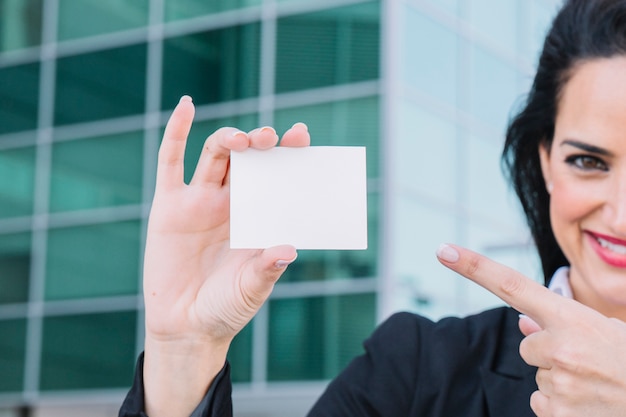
(520, 292)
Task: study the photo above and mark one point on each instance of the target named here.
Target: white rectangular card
(313, 197)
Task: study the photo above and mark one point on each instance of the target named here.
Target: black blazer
(413, 367)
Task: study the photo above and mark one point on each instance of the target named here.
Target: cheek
(568, 205)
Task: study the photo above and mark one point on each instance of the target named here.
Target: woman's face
(585, 174)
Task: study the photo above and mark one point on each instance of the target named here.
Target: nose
(617, 205)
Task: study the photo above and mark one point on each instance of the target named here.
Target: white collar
(560, 282)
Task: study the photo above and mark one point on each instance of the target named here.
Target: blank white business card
(312, 197)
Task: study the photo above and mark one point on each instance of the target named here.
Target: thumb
(527, 325)
(266, 268)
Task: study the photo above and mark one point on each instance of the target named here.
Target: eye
(587, 162)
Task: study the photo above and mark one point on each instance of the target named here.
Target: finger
(267, 268)
(263, 138)
(524, 294)
(527, 325)
(170, 169)
(540, 404)
(213, 164)
(297, 136)
(538, 349)
(544, 382)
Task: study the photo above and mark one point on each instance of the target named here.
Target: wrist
(177, 374)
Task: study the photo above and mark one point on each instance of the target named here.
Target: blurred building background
(86, 87)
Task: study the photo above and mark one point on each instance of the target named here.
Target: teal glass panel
(15, 267)
(93, 261)
(314, 338)
(100, 85)
(214, 66)
(320, 265)
(331, 47)
(12, 352)
(17, 176)
(185, 9)
(200, 131)
(497, 21)
(340, 123)
(20, 24)
(82, 18)
(96, 172)
(493, 88)
(19, 97)
(429, 57)
(88, 351)
(240, 356)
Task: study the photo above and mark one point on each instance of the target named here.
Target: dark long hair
(582, 30)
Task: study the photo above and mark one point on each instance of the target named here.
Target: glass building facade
(86, 87)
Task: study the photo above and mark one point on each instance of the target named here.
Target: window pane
(15, 268)
(240, 356)
(429, 53)
(314, 338)
(12, 350)
(100, 85)
(318, 265)
(327, 48)
(93, 261)
(496, 20)
(17, 176)
(19, 97)
(213, 66)
(20, 24)
(201, 130)
(96, 172)
(78, 19)
(340, 123)
(493, 88)
(185, 9)
(88, 351)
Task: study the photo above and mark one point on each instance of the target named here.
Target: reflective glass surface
(14, 268)
(240, 356)
(501, 30)
(314, 338)
(493, 88)
(185, 9)
(326, 48)
(20, 24)
(93, 261)
(81, 18)
(214, 66)
(12, 352)
(88, 351)
(100, 85)
(17, 175)
(429, 66)
(19, 95)
(96, 172)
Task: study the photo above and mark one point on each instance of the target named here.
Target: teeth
(612, 246)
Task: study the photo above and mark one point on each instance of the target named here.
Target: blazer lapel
(510, 381)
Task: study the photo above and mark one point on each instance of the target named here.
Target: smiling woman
(585, 167)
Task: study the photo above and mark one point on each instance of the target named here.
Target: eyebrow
(586, 147)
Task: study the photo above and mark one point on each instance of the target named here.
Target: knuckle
(512, 285)
(473, 265)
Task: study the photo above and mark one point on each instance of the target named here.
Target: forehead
(593, 100)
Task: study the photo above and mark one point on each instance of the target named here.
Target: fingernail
(240, 134)
(447, 253)
(267, 129)
(186, 98)
(304, 126)
(281, 263)
(523, 316)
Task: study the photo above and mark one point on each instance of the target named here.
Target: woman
(566, 156)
